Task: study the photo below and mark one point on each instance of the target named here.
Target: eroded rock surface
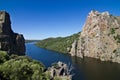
(100, 37)
(60, 70)
(73, 50)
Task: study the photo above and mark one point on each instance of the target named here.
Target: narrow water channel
(89, 69)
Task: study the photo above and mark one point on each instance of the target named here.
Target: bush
(112, 31)
(114, 51)
(3, 56)
(117, 38)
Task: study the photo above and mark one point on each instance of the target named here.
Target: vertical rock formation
(11, 42)
(73, 50)
(100, 37)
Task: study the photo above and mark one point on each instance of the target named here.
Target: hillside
(20, 67)
(59, 44)
(16, 67)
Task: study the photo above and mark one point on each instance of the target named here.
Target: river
(87, 69)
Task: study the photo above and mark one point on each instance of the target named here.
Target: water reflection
(96, 70)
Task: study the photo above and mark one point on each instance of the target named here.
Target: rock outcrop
(60, 70)
(100, 37)
(11, 42)
(73, 50)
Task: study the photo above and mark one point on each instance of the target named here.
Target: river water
(87, 69)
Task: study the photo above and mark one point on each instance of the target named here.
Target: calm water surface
(87, 69)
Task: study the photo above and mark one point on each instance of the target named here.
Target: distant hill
(28, 41)
(59, 44)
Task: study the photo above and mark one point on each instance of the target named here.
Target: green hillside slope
(59, 44)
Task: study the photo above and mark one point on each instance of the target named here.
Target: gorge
(16, 65)
(99, 38)
(87, 69)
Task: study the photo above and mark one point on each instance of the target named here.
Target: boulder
(61, 70)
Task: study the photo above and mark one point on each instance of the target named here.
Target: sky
(40, 19)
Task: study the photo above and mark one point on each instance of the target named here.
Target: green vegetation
(112, 31)
(61, 78)
(59, 44)
(3, 56)
(20, 68)
(117, 37)
(16, 67)
(114, 51)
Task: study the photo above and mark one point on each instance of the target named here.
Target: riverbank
(14, 67)
(87, 69)
(59, 44)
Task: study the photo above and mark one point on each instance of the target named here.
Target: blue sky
(40, 19)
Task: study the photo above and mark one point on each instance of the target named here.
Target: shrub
(22, 68)
(3, 56)
(117, 38)
(114, 51)
(112, 31)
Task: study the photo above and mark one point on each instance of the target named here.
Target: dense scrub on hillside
(20, 67)
(16, 67)
(59, 44)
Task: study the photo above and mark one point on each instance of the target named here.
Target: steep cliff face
(11, 42)
(100, 37)
(73, 50)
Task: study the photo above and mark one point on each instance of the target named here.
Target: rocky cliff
(11, 42)
(100, 37)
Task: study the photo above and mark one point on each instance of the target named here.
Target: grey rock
(60, 71)
(73, 50)
(99, 38)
